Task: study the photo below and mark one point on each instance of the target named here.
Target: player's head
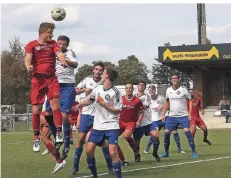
(46, 31)
(109, 74)
(129, 89)
(152, 89)
(98, 69)
(63, 42)
(141, 86)
(196, 93)
(175, 79)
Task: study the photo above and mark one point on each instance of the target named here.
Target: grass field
(19, 161)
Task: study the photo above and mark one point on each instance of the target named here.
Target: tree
(15, 79)
(161, 74)
(131, 70)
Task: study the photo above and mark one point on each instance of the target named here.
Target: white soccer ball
(58, 14)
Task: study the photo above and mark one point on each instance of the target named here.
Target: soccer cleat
(208, 142)
(146, 152)
(58, 141)
(137, 157)
(164, 155)
(71, 141)
(181, 151)
(64, 153)
(59, 166)
(46, 152)
(156, 156)
(36, 146)
(125, 163)
(74, 170)
(195, 155)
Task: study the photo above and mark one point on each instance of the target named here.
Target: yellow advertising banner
(191, 55)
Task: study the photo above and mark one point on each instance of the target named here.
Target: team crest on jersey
(158, 102)
(107, 97)
(143, 99)
(178, 92)
(37, 48)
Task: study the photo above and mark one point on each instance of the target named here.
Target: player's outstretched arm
(107, 106)
(71, 63)
(28, 62)
(165, 108)
(62, 58)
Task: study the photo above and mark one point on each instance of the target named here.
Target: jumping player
(130, 118)
(197, 106)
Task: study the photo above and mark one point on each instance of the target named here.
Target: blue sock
(166, 142)
(92, 165)
(117, 169)
(156, 143)
(77, 155)
(190, 141)
(107, 157)
(66, 131)
(149, 143)
(177, 140)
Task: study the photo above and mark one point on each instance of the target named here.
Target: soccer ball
(58, 14)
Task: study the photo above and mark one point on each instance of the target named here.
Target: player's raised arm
(28, 58)
(71, 60)
(140, 114)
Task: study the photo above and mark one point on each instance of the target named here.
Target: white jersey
(146, 100)
(66, 75)
(158, 102)
(178, 101)
(104, 119)
(88, 82)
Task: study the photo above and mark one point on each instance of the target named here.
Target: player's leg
(170, 125)
(186, 126)
(148, 145)
(177, 141)
(86, 123)
(45, 132)
(154, 131)
(127, 134)
(200, 123)
(96, 138)
(105, 151)
(112, 136)
(71, 131)
(193, 127)
(137, 135)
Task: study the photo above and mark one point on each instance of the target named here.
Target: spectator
(224, 107)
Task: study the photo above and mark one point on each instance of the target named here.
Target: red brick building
(210, 65)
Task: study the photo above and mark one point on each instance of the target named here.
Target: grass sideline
(19, 161)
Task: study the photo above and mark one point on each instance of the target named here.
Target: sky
(113, 32)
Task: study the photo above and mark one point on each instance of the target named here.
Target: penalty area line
(164, 166)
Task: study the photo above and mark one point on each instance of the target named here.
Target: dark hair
(176, 75)
(112, 74)
(45, 26)
(153, 87)
(64, 38)
(99, 64)
(142, 81)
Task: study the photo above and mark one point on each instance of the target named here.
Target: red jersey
(43, 56)
(74, 114)
(130, 109)
(196, 106)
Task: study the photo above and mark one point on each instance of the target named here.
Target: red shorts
(73, 122)
(44, 86)
(196, 121)
(127, 126)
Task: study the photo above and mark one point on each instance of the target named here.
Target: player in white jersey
(156, 106)
(108, 103)
(87, 117)
(146, 123)
(176, 101)
(66, 79)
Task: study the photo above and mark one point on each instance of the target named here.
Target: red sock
(51, 149)
(193, 132)
(132, 144)
(36, 125)
(121, 155)
(58, 120)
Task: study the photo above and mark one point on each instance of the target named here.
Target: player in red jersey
(130, 118)
(74, 114)
(40, 62)
(197, 105)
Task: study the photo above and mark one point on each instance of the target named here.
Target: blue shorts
(140, 131)
(172, 123)
(86, 123)
(98, 136)
(157, 125)
(67, 98)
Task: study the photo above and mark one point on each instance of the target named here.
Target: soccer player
(108, 101)
(146, 124)
(176, 102)
(40, 63)
(66, 79)
(130, 118)
(87, 117)
(197, 105)
(73, 120)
